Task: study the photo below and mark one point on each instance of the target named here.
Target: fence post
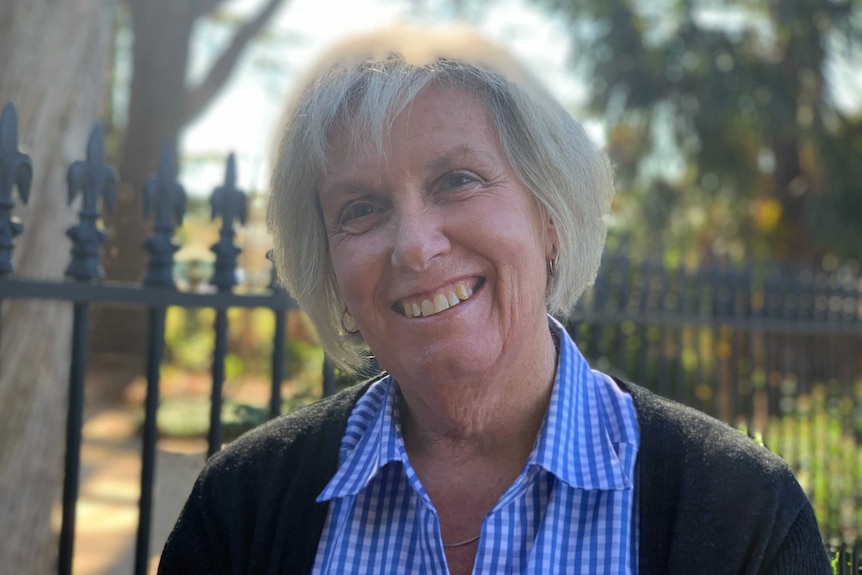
(229, 203)
(165, 197)
(277, 366)
(94, 181)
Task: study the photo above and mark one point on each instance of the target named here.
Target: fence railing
(779, 355)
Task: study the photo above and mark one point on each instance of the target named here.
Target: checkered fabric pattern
(573, 508)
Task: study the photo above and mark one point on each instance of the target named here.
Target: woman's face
(438, 248)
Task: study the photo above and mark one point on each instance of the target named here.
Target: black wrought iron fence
(165, 202)
(776, 352)
(778, 355)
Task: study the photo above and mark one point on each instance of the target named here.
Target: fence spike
(166, 197)
(16, 170)
(229, 203)
(95, 181)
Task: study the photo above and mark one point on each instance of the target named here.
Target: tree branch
(200, 7)
(198, 97)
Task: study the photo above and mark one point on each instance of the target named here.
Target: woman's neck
(497, 414)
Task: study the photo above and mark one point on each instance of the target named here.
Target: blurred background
(732, 279)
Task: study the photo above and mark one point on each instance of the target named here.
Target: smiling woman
(431, 196)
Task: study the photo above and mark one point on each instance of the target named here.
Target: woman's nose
(419, 238)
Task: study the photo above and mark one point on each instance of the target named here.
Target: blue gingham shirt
(573, 508)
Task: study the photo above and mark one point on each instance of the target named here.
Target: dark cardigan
(711, 501)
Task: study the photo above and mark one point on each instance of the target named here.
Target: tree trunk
(161, 30)
(52, 60)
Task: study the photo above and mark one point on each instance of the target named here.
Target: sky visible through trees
(246, 116)
(733, 127)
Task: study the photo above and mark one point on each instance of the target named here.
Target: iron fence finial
(95, 181)
(166, 197)
(16, 170)
(229, 203)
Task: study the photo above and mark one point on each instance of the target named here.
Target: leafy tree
(724, 119)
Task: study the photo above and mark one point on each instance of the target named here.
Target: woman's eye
(458, 180)
(358, 216)
(357, 211)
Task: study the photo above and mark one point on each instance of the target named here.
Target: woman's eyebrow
(343, 188)
(455, 155)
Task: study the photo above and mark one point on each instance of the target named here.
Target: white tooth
(463, 291)
(440, 303)
(408, 310)
(417, 311)
(427, 308)
(453, 299)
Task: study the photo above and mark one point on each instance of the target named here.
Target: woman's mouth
(431, 304)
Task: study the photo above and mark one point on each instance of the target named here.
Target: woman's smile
(439, 300)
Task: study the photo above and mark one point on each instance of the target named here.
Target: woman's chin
(441, 363)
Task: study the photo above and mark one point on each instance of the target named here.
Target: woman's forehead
(450, 120)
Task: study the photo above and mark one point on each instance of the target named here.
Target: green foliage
(818, 437)
(299, 355)
(724, 121)
(304, 365)
(187, 345)
(189, 342)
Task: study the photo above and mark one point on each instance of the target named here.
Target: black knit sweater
(711, 501)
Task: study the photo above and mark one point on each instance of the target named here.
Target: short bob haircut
(359, 89)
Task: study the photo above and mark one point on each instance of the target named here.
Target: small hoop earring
(347, 318)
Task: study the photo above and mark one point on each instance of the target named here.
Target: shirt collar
(588, 440)
(371, 441)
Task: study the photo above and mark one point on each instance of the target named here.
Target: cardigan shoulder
(253, 507)
(294, 447)
(692, 434)
(711, 499)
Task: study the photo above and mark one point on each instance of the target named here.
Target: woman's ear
(552, 240)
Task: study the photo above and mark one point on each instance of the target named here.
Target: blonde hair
(363, 85)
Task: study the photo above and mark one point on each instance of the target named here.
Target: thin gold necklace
(460, 543)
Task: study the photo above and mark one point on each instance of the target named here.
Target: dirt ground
(107, 511)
